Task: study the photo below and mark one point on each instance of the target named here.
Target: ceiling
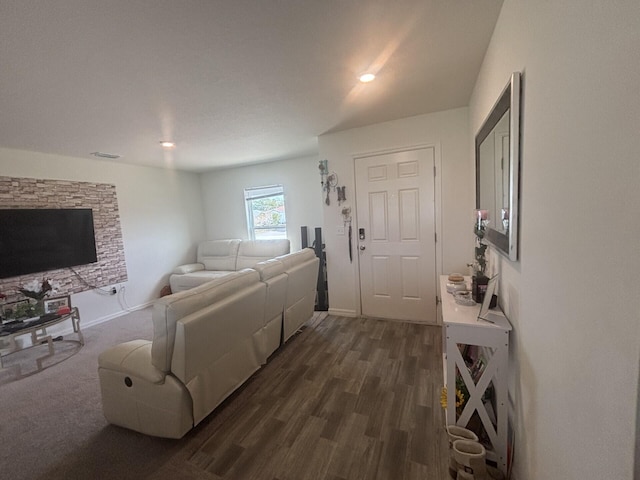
(231, 82)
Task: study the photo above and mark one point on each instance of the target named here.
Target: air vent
(111, 156)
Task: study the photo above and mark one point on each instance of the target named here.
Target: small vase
(479, 286)
(33, 309)
(39, 308)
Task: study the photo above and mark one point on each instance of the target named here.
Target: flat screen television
(38, 240)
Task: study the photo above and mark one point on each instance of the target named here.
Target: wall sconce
(324, 171)
(329, 181)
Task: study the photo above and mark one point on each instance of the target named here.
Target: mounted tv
(38, 240)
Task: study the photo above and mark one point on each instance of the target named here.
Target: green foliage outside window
(266, 213)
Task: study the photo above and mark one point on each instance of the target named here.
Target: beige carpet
(51, 422)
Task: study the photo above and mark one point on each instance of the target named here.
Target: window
(265, 212)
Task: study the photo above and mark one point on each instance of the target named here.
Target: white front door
(395, 196)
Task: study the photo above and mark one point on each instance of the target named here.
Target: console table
(39, 335)
(490, 343)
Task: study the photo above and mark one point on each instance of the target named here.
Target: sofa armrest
(132, 358)
(188, 268)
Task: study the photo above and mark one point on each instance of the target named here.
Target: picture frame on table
(8, 310)
(52, 305)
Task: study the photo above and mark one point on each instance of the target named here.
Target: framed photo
(12, 310)
(51, 305)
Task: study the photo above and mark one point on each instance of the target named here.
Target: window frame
(257, 193)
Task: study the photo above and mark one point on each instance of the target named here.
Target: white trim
(339, 312)
(98, 321)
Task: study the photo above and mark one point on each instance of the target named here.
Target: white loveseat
(207, 341)
(217, 258)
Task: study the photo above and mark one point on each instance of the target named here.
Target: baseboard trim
(69, 330)
(338, 312)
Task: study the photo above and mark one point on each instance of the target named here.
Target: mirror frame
(509, 101)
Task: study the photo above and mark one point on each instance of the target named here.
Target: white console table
(462, 328)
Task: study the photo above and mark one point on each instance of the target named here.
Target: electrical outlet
(340, 230)
(113, 290)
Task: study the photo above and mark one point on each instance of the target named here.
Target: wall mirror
(497, 170)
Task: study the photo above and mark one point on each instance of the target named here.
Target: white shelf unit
(461, 328)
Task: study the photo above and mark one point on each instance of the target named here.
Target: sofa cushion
(251, 252)
(219, 254)
(193, 279)
(269, 268)
(168, 310)
(296, 258)
(189, 268)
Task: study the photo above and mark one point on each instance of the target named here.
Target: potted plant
(479, 280)
(37, 291)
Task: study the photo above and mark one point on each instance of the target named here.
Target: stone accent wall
(101, 198)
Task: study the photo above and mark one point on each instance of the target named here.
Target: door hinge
(435, 236)
(437, 300)
(434, 170)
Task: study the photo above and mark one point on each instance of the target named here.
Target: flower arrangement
(480, 280)
(462, 395)
(39, 290)
(460, 401)
(480, 265)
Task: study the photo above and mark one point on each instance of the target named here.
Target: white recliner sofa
(207, 341)
(302, 277)
(217, 258)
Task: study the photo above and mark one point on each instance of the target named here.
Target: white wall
(573, 296)
(224, 205)
(448, 132)
(160, 213)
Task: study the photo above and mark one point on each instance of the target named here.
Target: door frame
(438, 214)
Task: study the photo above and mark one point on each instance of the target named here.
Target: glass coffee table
(37, 329)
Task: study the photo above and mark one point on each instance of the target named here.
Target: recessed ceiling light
(166, 144)
(367, 77)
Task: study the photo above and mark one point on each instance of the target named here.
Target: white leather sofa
(302, 277)
(207, 341)
(217, 258)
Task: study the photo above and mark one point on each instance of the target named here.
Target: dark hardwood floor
(345, 399)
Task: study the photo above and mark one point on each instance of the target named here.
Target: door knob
(362, 247)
